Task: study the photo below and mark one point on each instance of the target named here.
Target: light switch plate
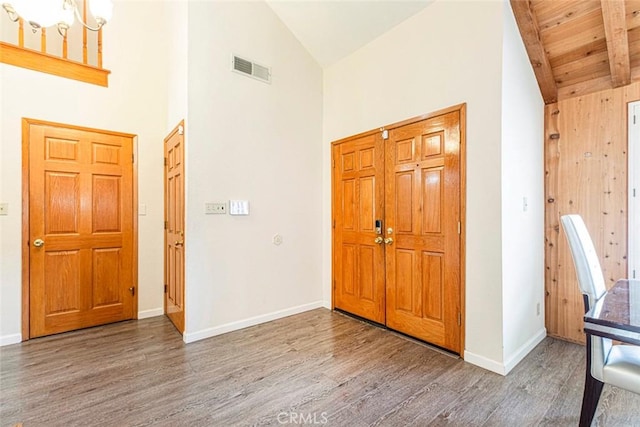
(238, 207)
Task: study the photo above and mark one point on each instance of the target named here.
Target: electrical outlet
(4, 208)
(215, 208)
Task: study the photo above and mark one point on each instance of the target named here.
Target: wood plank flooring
(317, 367)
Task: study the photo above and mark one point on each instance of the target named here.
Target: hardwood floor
(317, 367)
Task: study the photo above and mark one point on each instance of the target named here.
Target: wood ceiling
(580, 46)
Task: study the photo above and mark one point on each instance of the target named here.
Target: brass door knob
(388, 240)
(378, 240)
(180, 243)
(38, 242)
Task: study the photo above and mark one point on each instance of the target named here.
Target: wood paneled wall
(585, 173)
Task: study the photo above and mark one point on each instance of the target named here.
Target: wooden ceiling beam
(530, 33)
(615, 31)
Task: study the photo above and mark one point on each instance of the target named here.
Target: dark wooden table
(617, 316)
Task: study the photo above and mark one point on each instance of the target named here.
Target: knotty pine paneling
(585, 173)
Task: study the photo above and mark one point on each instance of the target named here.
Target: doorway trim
(26, 123)
(462, 109)
(633, 190)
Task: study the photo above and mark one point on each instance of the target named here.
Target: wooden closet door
(358, 197)
(174, 227)
(422, 203)
(81, 232)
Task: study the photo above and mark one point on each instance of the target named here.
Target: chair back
(585, 258)
(590, 280)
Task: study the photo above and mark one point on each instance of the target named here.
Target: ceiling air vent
(251, 69)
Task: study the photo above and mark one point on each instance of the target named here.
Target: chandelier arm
(11, 12)
(62, 30)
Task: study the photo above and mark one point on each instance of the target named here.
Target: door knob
(378, 240)
(388, 240)
(180, 243)
(38, 242)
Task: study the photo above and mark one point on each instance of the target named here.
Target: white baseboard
(326, 304)
(505, 368)
(252, 321)
(485, 363)
(524, 349)
(144, 314)
(10, 339)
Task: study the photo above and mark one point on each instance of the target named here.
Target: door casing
(26, 123)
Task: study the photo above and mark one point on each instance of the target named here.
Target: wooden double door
(397, 227)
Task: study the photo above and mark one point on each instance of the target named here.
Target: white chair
(617, 365)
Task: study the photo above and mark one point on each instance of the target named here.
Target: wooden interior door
(422, 199)
(174, 226)
(410, 277)
(81, 254)
(358, 197)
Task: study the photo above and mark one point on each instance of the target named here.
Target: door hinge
(633, 274)
(459, 319)
(165, 288)
(133, 158)
(165, 161)
(634, 192)
(334, 284)
(385, 133)
(333, 163)
(166, 225)
(334, 223)
(459, 227)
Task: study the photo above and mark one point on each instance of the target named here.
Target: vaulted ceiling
(580, 46)
(331, 30)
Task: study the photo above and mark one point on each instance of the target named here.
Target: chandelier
(61, 13)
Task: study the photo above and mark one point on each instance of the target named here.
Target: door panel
(81, 208)
(412, 282)
(358, 193)
(174, 227)
(423, 209)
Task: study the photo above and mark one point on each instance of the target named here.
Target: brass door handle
(38, 243)
(388, 240)
(180, 243)
(378, 240)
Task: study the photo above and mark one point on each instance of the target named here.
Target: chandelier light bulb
(61, 13)
(39, 13)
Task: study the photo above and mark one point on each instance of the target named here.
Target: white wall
(522, 177)
(254, 141)
(135, 102)
(447, 54)
(177, 63)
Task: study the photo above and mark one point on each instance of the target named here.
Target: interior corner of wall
(526, 348)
